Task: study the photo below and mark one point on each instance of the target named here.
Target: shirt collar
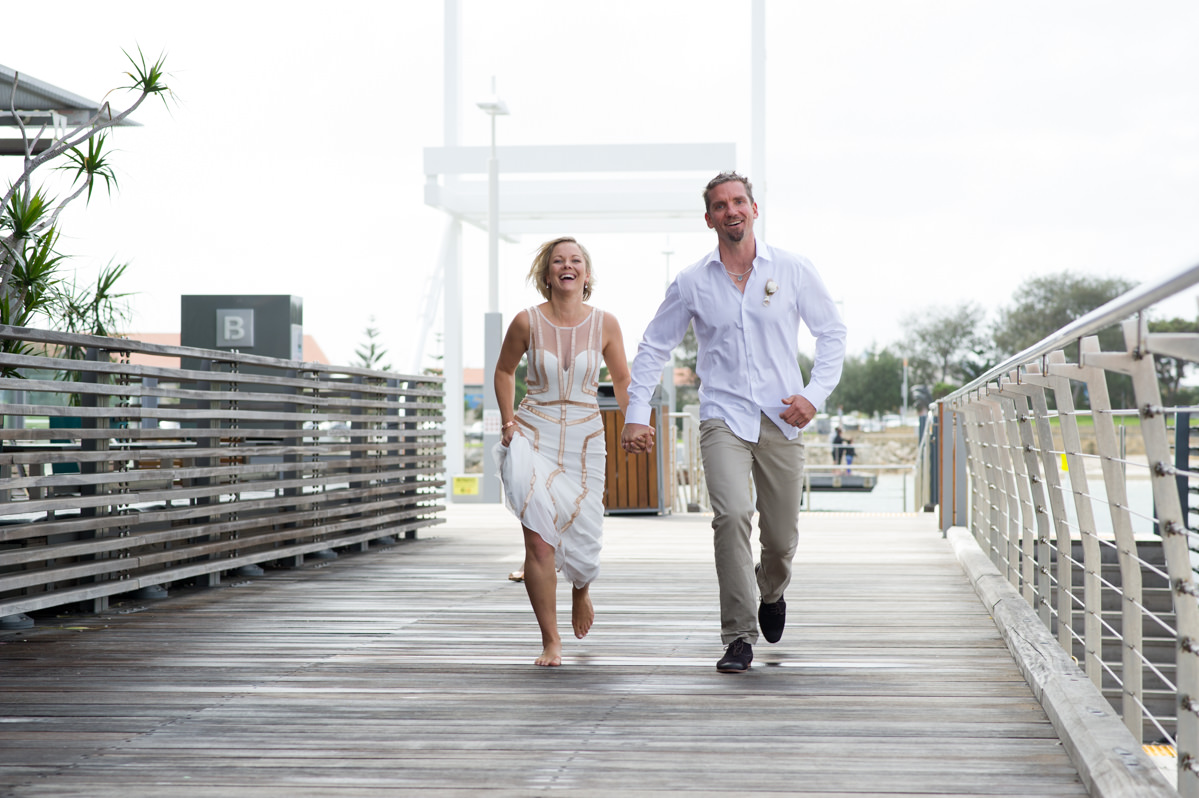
(762, 253)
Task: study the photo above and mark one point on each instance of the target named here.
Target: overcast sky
(920, 153)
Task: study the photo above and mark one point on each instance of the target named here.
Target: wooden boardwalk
(407, 670)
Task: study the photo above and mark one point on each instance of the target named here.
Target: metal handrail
(1099, 319)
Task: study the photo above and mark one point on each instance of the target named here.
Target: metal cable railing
(1088, 513)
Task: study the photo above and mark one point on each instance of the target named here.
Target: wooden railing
(117, 477)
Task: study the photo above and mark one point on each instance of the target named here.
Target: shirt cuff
(637, 415)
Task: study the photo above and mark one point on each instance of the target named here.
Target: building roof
(39, 103)
(312, 350)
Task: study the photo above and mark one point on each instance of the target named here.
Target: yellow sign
(466, 486)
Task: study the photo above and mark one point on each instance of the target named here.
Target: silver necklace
(740, 277)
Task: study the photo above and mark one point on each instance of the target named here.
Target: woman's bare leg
(582, 614)
(541, 583)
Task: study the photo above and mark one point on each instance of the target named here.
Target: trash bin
(635, 483)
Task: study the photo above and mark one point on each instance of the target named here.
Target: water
(895, 493)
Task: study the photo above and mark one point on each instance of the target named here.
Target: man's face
(730, 212)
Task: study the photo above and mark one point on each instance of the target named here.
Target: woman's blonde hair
(541, 266)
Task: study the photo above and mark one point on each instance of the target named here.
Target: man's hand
(637, 438)
(799, 411)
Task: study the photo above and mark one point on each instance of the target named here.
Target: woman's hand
(508, 432)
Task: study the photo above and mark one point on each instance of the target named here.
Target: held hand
(637, 438)
(799, 411)
(507, 434)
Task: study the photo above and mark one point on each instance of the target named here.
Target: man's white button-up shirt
(747, 360)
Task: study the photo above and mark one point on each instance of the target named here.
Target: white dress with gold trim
(553, 471)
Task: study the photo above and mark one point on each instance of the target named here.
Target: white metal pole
(451, 338)
(493, 226)
(493, 326)
(758, 110)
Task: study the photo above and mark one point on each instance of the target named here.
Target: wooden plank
(408, 670)
(426, 435)
(152, 519)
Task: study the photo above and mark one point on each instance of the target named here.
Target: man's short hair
(726, 177)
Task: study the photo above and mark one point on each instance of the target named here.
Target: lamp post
(493, 332)
(493, 107)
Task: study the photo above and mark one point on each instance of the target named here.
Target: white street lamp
(493, 327)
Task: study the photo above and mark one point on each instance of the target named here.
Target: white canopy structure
(600, 188)
(618, 188)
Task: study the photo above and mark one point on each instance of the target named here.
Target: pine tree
(370, 354)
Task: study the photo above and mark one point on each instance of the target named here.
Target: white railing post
(1036, 524)
(1008, 529)
(989, 503)
(1175, 544)
(1095, 364)
(1034, 386)
(953, 486)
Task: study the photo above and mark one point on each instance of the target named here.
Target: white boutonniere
(771, 287)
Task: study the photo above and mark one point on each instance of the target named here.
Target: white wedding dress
(553, 471)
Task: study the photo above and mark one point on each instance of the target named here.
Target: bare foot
(551, 657)
(582, 614)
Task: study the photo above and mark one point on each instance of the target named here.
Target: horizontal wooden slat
(194, 414)
(61, 596)
(180, 493)
(120, 454)
(149, 514)
(324, 511)
(129, 345)
(420, 431)
(244, 471)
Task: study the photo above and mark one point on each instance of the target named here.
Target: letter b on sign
(235, 328)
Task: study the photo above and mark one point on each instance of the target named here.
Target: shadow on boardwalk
(408, 670)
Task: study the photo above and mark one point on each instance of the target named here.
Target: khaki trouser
(776, 466)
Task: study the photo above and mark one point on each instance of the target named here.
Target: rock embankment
(892, 447)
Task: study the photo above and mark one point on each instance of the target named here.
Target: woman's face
(568, 268)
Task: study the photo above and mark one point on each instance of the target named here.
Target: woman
(551, 455)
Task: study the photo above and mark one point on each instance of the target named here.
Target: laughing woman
(551, 453)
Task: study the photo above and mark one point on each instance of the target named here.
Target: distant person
(551, 454)
(746, 301)
(838, 446)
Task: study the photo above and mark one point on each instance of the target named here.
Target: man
(746, 300)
